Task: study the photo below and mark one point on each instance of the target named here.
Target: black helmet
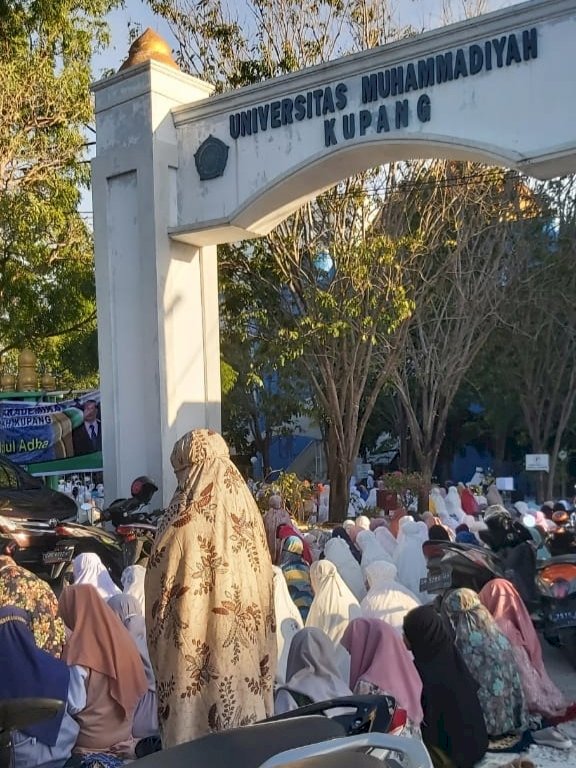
(143, 488)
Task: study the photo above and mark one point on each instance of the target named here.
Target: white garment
(338, 552)
(454, 507)
(133, 583)
(371, 550)
(386, 539)
(348, 525)
(312, 671)
(333, 608)
(370, 481)
(363, 522)
(31, 753)
(387, 599)
(324, 504)
(372, 500)
(440, 508)
(87, 568)
(288, 621)
(410, 560)
(401, 523)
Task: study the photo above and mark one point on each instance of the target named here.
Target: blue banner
(38, 432)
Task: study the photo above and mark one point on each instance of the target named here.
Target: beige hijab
(209, 599)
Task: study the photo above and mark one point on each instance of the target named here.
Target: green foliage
(47, 294)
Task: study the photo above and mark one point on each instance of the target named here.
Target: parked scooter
(47, 548)
(374, 722)
(509, 554)
(556, 585)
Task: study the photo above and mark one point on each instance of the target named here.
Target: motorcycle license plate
(561, 619)
(61, 555)
(438, 582)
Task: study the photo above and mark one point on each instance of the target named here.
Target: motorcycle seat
(16, 714)
(337, 760)
(248, 746)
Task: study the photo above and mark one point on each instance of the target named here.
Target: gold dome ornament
(27, 376)
(7, 382)
(150, 46)
(48, 382)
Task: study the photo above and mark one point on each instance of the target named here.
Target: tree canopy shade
(47, 294)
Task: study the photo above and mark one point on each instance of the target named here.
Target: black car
(26, 497)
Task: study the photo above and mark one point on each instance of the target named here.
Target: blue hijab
(28, 672)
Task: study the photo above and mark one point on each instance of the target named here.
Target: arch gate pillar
(157, 298)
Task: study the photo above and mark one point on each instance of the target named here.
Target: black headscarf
(340, 533)
(453, 719)
(438, 533)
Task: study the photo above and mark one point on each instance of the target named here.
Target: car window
(8, 477)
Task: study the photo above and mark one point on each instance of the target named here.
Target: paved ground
(564, 675)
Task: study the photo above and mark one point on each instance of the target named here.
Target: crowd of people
(240, 616)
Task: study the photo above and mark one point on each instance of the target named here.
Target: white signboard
(537, 462)
(505, 483)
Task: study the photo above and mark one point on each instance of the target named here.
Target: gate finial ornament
(149, 46)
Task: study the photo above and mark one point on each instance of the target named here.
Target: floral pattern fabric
(209, 599)
(489, 657)
(24, 590)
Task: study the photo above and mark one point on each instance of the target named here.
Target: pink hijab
(379, 656)
(505, 604)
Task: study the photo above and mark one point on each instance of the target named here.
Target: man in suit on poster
(87, 438)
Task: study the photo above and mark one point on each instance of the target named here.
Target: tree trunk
(426, 470)
(338, 474)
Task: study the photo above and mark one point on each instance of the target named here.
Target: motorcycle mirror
(529, 521)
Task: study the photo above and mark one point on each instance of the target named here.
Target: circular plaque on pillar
(211, 158)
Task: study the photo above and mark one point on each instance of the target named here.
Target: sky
(420, 13)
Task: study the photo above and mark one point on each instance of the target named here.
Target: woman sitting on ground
(87, 568)
(381, 665)
(490, 658)
(128, 610)
(22, 589)
(29, 672)
(387, 599)
(297, 574)
(509, 612)
(311, 673)
(453, 728)
(108, 661)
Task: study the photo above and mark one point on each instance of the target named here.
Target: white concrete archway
(177, 172)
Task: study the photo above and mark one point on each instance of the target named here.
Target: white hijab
(288, 621)
(454, 507)
(386, 539)
(371, 550)
(127, 609)
(410, 560)
(363, 523)
(440, 507)
(87, 568)
(311, 670)
(401, 523)
(338, 552)
(133, 584)
(387, 599)
(333, 608)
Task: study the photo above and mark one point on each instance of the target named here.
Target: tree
(324, 292)
(47, 295)
(263, 401)
(468, 216)
(540, 353)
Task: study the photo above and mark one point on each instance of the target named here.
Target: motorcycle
(48, 547)
(373, 721)
(556, 585)
(454, 566)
